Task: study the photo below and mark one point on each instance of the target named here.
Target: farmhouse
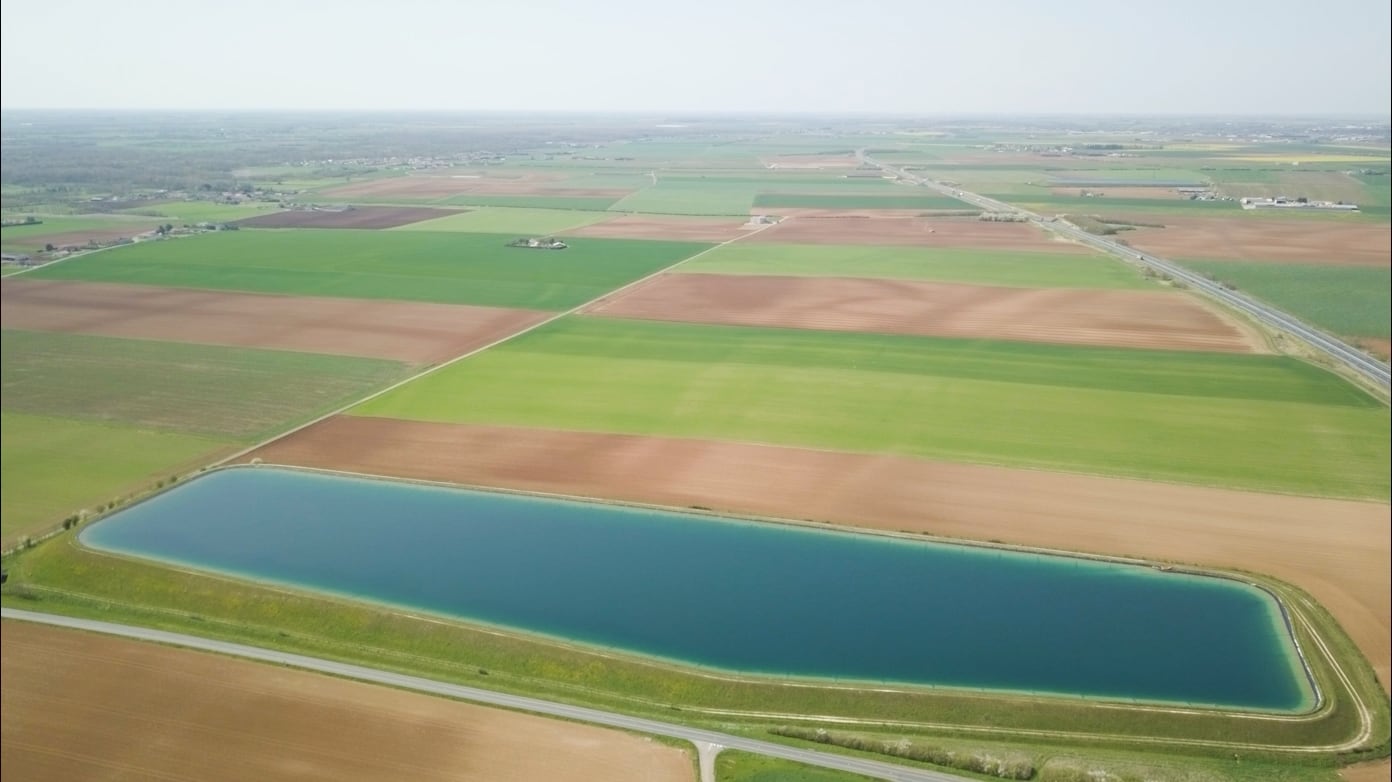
(547, 243)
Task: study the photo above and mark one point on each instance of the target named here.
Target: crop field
(1160, 319)
(852, 228)
(51, 467)
(856, 201)
(63, 231)
(1258, 422)
(233, 393)
(364, 217)
(193, 212)
(409, 331)
(685, 228)
(673, 195)
(506, 220)
(1274, 238)
(1019, 268)
(226, 719)
(559, 200)
(445, 267)
(1349, 300)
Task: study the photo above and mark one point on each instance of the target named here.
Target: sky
(921, 57)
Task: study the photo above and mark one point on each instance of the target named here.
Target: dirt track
(1143, 319)
(913, 232)
(359, 217)
(669, 228)
(1338, 550)
(415, 332)
(81, 706)
(1276, 238)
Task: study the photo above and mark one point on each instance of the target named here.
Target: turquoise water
(741, 596)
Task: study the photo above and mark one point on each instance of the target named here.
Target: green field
(52, 467)
(558, 201)
(193, 212)
(1349, 300)
(507, 220)
(735, 766)
(31, 238)
(856, 201)
(220, 392)
(447, 267)
(699, 196)
(985, 267)
(1254, 422)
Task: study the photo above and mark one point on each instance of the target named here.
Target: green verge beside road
(985, 267)
(446, 267)
(1257, 422)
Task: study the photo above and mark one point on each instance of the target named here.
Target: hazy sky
(900, 56)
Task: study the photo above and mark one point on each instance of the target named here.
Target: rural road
(870, 768)
(1347, 355)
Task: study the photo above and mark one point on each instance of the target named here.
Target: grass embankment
(984, 267)
(60, 576)
(1255, 422)
(735, 766)
(89, 418)
(446, 267)
(1348, 300)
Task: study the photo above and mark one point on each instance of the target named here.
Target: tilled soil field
(82, 706)
(414, 332)
(1142, 319)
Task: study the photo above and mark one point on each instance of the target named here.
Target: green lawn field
(854, 200)
(193, 212)
(693, 196)
(31, 238)
(986, 267)
(209, 391)
(52, 467)
(1349, 300)
(557, 201)
(447, 267)
(508, 220)
(1255, 422)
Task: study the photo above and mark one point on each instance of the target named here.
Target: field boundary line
(475, 351)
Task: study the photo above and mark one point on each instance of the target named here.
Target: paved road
(870, 768)
(1347, 355)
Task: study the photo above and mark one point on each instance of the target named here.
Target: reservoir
(743, 596)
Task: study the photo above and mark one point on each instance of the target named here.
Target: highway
(870, 768)
(1354, 359)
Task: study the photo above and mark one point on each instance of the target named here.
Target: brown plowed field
(98, 235)
(1138, 319)
(83, 706)
(694, 229)
(1277, 238)
(1338, 550)
(415, 332)
(358, 217)
(445, 186)
(913, 232)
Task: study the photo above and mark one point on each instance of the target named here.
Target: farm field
(1347, 300)
(683, 228)
(1256, 422)
(366, 217)
(913, 232)
(193, 212)
(219, 392)
(501, 220)
(50, 467)
(1343, 561)
(852, 200)
(412, 332)
(1138, 319)
(1019, 268)
(686, 196)
(443, 267)
(227, 719)
(65, 231)
(1316, 239)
